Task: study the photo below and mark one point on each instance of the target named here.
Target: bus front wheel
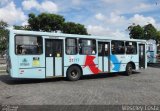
(128, 69)
(73, 73)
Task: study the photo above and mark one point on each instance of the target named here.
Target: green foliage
(150, 32)
(52, 22)
(42, 22)
(158, 35)
(136, 32)
(3, 36)
(73, 28)
(45, 22)
(146, 32)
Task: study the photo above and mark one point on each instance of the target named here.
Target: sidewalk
(2, 68)
(2, 65)
(2, 60)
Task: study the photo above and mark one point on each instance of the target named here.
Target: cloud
(105, 31)
(116, 25)
(25, 23)
(142, 6)
(46, 6)
(76, 2)
(113, 1)
(141, 20)
(130, 7)
(113, 20)
(12, 15)
(30, 4)
(4, 2)
(97, 30)
(99, 16)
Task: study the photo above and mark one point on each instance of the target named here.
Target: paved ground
(140, 88)
(2, 60)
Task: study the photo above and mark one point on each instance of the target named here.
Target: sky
(100, 17)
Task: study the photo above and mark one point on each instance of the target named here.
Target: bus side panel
(32, 73)
(88, 63)
(119, 62)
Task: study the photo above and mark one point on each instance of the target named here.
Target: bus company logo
(92, 66)
(24, 62)
(116, 63)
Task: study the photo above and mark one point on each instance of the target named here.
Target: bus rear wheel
(74, 73)
(128, 69)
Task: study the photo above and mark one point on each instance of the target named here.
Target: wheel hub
(74, 73)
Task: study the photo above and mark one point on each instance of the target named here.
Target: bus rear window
(28, 45)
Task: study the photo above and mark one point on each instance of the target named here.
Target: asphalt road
(141, 88)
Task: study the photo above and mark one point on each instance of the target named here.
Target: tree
(3, 24)
(150, 32)
(136, 32)
(45, 22)
(73, 28)
(146, 32)
(3, 36)
(52, 22)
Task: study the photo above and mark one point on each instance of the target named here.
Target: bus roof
(53, 34)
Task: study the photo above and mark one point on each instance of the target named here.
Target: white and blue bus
(151, 51)
(42, 55)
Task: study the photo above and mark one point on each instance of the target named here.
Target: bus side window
(100, 47)
(131, 47)
(117, 47)
(71, 46)
(113, 49)
(87, 46)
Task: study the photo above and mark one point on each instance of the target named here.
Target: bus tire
(74, 73)
(128, 69)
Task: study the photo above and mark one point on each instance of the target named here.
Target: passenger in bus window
(113, 48)
(69, 51)
(19, 49)
(24, 51)
(127, 49)
(36, 48)
(132, 49)
(121, 50)
(93, 52)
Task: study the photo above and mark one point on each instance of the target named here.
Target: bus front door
(103, 56)
(54, 57)
(142, 56)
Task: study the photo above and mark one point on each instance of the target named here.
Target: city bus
(40, 55)
(151, 51)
